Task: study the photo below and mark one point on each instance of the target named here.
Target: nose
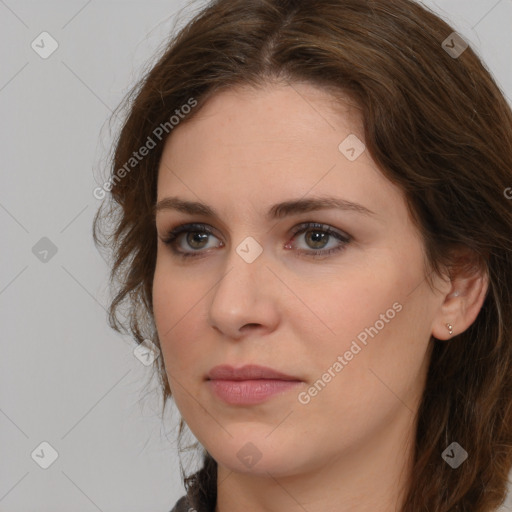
(245, 299)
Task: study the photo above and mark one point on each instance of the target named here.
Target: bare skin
(347, 446)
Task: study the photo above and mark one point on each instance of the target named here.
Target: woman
(311, 222)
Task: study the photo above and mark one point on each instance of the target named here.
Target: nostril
(250, 325)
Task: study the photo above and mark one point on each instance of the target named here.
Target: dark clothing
(182, 505)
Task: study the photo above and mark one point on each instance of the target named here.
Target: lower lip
(246, 392)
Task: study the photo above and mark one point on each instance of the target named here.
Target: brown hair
(437, 126)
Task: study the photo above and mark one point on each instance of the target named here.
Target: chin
(276, 466)
(257, 455)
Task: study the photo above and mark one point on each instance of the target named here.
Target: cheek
(379, 329)
(178, 316)
(343, 305)
(362, 386)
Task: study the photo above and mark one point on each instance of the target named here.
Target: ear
(464, 299)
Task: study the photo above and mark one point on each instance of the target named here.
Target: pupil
(318, 237)
(196, 237)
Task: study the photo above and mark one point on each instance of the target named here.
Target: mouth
(250, 384)
(249, 392)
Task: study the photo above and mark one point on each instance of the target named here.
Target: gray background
(65, 377)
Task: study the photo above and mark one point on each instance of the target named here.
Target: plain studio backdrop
(70, 387)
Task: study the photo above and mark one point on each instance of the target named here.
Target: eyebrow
(277, 211)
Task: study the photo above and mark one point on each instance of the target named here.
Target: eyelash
(170, 240)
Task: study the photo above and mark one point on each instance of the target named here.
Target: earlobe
(444, 332)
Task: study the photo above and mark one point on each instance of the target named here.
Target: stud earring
(450, 328)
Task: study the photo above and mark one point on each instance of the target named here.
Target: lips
(247, 372)
(249, 385)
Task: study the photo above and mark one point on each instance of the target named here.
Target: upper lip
(247, 372)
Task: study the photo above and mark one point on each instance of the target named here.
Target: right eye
(195, 236)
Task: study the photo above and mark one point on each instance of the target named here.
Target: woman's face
(347, 314)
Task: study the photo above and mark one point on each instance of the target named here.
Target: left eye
(317, 238)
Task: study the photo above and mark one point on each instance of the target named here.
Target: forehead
(267, 143)
(255, 115)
